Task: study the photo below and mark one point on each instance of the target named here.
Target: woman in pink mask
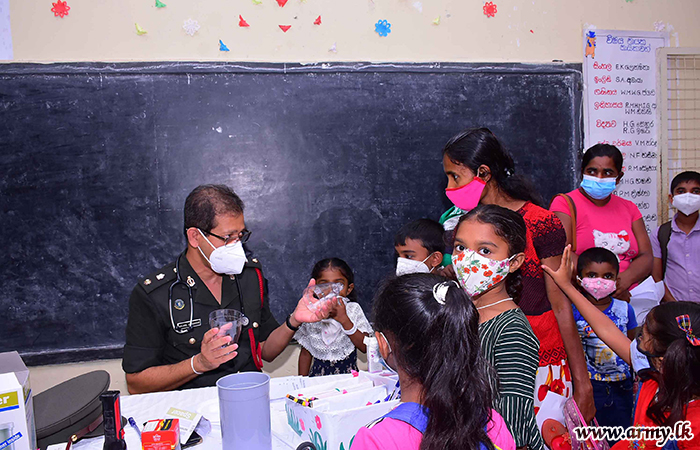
(480, 170)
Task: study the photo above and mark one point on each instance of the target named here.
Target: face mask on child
(467, 197)
(687, 203)
(405, 266)
(598, 287)
(640, 360)
(477, 273)
(598, 188)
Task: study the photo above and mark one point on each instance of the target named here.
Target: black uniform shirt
(151, 340)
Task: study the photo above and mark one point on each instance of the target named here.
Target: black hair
(683, 177)
(679, 379)
(597, 255)
(602, 150)
(206, 202)
(511, 227)
(342, 266)
(438, 346)
(427, 231)
(474, 148)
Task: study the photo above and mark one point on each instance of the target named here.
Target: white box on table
(335, 429)
(17, 431)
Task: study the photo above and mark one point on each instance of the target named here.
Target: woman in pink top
(605, 220)
(428, 331)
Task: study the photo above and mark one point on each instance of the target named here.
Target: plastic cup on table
(229, 322)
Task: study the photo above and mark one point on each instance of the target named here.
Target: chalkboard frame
(96, 68)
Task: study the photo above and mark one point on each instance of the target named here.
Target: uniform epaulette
(166, 274)
(253, 262)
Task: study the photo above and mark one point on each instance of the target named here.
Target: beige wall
(104, 30)
(44, 377)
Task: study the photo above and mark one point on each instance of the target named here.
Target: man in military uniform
(168, 341)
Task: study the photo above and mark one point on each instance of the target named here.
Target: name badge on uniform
(188, 326)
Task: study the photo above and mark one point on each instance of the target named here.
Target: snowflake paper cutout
(191, 26)
(382, 27)
(60, 9)
(490, 9)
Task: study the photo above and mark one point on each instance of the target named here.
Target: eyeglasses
(243, 236)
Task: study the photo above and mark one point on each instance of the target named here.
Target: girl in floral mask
(488, 252)
(610, 376)
(481, 171)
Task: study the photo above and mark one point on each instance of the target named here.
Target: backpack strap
(572, 209)
(415, 415)
(664, 236)
(254, 345)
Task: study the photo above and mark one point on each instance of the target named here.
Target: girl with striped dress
(489, 249)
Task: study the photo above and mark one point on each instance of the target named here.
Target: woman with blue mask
(593, 216)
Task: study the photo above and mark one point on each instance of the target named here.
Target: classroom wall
(521, 30)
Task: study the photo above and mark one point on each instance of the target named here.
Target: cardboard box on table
(333, 427)
(17, 431)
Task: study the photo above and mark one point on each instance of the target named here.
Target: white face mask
(227, 259)
(405, 266)
(687, 203)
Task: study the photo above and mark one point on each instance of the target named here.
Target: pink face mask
(467, 197)
(598, 287)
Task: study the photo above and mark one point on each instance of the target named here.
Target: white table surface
(146, 407)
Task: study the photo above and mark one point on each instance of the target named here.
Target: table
(144, 407)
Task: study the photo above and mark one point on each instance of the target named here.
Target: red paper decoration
(285, 27)
(242, 22)
(282, 3)
(490, 9)
(60, 9)
(317, 21)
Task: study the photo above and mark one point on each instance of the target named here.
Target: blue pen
(132, 422)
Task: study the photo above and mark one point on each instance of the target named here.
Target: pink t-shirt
(392, 434)
(608, 226)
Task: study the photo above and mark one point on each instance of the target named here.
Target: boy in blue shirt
(610, 376)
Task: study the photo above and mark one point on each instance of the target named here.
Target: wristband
(192, 365)
(289, 324)
(351, 331)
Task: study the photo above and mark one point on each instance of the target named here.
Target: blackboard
(330, 159)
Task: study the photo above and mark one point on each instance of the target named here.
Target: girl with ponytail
(488, 253)
(666, 356)
(427, 331)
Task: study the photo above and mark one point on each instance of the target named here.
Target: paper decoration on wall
(418, 6)
(590, 44)
(257, 2)
(222, 46)
(242, 22)
(382, 27)
(140, 31)
(160, 4)
(191, 26)
(60, 9)
(285, 28)
(532, 32)
(659, 26)
(490, 9)
(333, 48)
(436, 21)
(282, 3)
(317, 21)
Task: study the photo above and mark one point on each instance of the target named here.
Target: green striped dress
(508, 343)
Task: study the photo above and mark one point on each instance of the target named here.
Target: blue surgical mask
(598, 188)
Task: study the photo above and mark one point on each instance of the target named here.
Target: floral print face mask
(477, 273)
